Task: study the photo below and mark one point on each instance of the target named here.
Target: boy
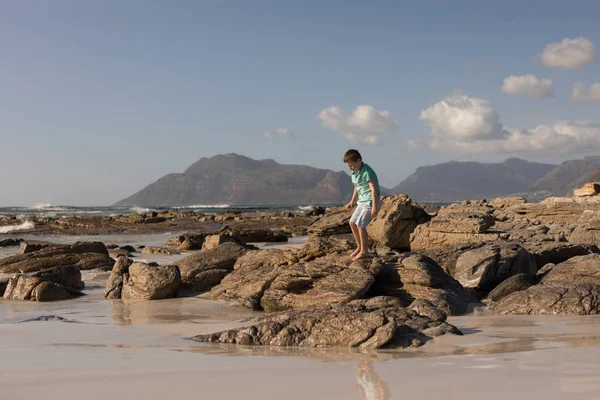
(366, 193)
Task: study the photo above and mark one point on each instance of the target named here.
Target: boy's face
(354, 166)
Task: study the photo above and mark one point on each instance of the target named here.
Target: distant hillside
(238, 180)
(456, 181)
(567, 176)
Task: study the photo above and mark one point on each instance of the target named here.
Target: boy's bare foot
(360, 255)
(355, 253)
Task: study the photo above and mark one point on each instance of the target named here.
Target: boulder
(580, 269)
(10, 242)
(85, 255)
(159, 250)
(564, 298)
(202, 271)
(415, 276)
(114, 284)
(510, 285)
(396, 220)
(145, 282)
(226, 235)
(59, 283)
(356, 324)
(188, 241)
(485, 267)
(335, 222)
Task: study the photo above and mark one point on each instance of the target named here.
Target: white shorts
(362, 214)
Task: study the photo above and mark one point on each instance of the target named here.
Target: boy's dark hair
(352, 155)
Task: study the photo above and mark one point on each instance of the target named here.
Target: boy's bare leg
(364, 243)
(356, 235)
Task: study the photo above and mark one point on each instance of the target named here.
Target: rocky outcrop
(415, 276)
(367, 324)
(273, 280)
(456, 224)
(565, 298)
(396, 220)
(202, 271)
(485, 267)
(85, 255)
(59, 283)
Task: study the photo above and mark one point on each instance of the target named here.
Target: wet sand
(111, 348)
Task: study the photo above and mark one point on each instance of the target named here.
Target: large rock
(224, 236)
(114, 284)
(202, 271)
(273, 280)
(361, 324)
(580, 269)
(446, 256)
(85, 255)
(485, 267)
(58, 283)
(565, 298)
(510, 285)
(145, 282)
(396, 220)
(332, 223)
(415, 276)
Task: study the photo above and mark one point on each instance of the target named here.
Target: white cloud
(281, 132)
(582, 93)
(529, 85)
(460, 124)
(463, 118)
(364, 126)
(570, 53)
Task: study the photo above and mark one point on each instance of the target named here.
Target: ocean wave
(305, 208)
(47, 207)
(10, 228)
(140, 210)
(206, 206)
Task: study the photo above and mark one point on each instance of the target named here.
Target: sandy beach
(108, 348)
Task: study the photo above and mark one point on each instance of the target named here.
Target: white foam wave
(207, 206)
(305, 208)
(140, 210)
(47, 207)
(10, 228)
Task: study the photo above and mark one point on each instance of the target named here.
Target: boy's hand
(349, 206)
(374, 212)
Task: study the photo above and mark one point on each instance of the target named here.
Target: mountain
(456, 180)
(238, 180)
(567, 176)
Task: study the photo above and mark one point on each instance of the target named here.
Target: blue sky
(99, 99)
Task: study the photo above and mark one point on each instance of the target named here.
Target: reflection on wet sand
(368, 383)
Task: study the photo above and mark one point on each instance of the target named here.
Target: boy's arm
(354, 194)
(374, 200)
